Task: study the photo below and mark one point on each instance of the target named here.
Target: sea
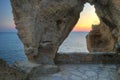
(12, 49)
(75, 42)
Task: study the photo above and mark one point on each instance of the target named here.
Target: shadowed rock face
(44, 24)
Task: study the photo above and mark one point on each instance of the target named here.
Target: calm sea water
(75, 42)
(11, 48)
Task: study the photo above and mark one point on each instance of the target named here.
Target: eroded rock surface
(9, 73)
(100, 39)
(82, 72)
(108, 12)
(44, 24)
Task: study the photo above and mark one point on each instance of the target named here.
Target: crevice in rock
(110, 24)
(58, 22)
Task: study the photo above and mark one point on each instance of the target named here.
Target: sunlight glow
(87, 18)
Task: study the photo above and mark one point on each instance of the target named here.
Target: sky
(6, 17)
(87, 18)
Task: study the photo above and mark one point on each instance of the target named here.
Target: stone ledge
(21, 70)
(91, 58)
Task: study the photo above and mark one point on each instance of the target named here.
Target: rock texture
(90, 58)
(108, 12)
(44, 24)
(100, 39)
(9, 73)
(24, 70)
(82, 72)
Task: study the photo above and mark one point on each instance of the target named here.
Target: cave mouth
(76, 41)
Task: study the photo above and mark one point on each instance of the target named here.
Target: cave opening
(76, 41)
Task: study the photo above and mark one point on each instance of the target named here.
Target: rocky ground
(82, 72)
(65, 72)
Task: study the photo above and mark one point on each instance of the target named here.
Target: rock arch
(44, 24)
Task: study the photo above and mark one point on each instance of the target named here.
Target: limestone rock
(37, 69)
(25, 67)
(44, 24)
(46, 69)
(9, 73)
(42, 70)
(110, 15)
(100, 39)
(108, 12)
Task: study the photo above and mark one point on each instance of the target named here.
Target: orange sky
(87, 18)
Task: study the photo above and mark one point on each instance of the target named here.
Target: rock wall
(83, 58)
(109, 13)
(9, 73)
(44, 24)
(100, 39)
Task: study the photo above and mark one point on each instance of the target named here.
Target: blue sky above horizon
(6, 17)
(88, 17)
